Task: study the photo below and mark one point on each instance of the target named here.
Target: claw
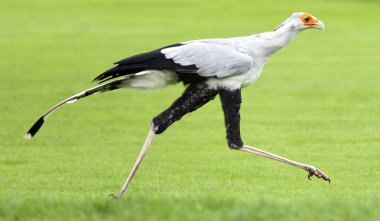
(316, 172)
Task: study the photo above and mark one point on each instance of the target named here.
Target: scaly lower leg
(312, 170)
(139, 159)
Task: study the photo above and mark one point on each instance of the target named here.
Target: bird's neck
(273, 41)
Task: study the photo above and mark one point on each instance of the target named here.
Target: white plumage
(233, 62)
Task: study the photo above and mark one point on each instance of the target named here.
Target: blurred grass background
(315, 102)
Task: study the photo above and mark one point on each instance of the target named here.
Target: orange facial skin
(308, 19)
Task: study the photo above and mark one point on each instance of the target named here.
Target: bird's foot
(316, 172)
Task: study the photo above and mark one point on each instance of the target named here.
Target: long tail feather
(100, 88)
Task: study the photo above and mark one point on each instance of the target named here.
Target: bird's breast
(239, 80)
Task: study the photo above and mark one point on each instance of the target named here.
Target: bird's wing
(210, 59)
(202, 58)
(152, 60)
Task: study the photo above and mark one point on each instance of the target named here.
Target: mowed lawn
(317, 102)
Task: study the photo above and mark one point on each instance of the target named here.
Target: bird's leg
(231, 101)
(311, 169)
(195, 96)
(139, 159)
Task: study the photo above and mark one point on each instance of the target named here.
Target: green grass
(315, 102)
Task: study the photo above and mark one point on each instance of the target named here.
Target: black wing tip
(134, 64)
(105, 76)
(98, 78)
(34, 129)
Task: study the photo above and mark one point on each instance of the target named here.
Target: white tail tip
(28, 136)
(71, 101)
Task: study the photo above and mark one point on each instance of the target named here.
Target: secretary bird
(207, 67)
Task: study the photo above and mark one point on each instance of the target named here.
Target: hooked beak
(319, 25)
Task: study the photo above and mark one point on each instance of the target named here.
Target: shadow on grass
(186, 209)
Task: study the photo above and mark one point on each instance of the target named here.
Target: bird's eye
(306, 19)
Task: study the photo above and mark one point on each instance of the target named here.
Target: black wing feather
(153, 60)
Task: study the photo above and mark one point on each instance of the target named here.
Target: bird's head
(300, 21)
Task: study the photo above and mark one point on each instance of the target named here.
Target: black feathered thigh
(195, 96)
